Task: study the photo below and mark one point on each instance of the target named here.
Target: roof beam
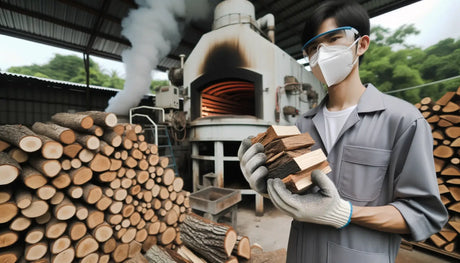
(97, 25)
(62, 23)
(90, 10)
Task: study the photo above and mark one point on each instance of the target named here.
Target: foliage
(391, 64)
(71, 68)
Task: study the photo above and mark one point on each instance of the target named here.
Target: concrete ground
(271, 232)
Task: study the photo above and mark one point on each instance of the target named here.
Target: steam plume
(153, 29)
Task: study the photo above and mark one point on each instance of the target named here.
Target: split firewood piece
(35, 251)
(90, 142)
(91, 193)
(453, 132)
(46, 192)
(72, 150)
(66, 256)
(120, 253)
(284, 156)
(450, 107)
(107, 177)
(298, 164)
(100, 163)
(95, 218)
(164, 161)
(455, 119)
(32, 178)
(196, 233)
(188, 254)
(112, 138)
(86, 246)
(105, 148)
(127, 143)
(242, 247)
(450, 247)
(51, 149)
(448, 234)
(43, 219)
(8, 238)
(75, 192)
(443, 151)
(6, 194)
(60, 244)
(55, 132)
(35, 235)
(437, 240)
(19, 155)
(74, 121)
(446, 98)
(20, 136)
(20, 224)
(37, 208)
(454, 207)
(104, 203)
(289, 143)
(102, 232)
(108, 246)
(451, 170)
(65, 210)
(50, 168)
(55, 228)
(129, 235)
(455, 192)
(275, 132)
(61, 181)
(95, 130)
(76, 230)
(81, 175)
(104, 119)
(85, 155)
(57, 198)
(22, 198)
(9, 169)
(4, 145)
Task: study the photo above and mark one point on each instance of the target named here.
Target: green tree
(391, 64)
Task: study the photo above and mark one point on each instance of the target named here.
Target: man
(383, 183)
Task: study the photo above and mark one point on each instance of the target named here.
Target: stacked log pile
(444, 118)
(289, 156)
(84, 188)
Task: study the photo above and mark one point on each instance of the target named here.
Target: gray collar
(370, 101)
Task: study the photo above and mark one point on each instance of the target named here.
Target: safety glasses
(338, 36)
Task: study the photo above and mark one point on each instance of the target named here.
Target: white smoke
(153, 30)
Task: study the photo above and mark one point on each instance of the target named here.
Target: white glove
(252, 160)
(324, 207)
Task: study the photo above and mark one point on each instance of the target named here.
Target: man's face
(334, 37)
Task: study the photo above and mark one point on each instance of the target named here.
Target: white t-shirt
(334, 121)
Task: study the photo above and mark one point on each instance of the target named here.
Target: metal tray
(214, 199)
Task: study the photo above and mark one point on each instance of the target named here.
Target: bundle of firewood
(444, 119)
(84, 188)
(289, 156)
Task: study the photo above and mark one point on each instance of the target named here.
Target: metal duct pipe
(268, 22)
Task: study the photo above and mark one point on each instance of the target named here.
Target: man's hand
(323, 207)
(252, 160)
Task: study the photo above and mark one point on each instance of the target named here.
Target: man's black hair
(345, 13)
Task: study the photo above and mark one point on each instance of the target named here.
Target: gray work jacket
(382, 156)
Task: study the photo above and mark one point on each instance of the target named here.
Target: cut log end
(30, 143)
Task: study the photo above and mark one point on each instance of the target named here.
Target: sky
(435, 19)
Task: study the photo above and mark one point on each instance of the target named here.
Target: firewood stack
(444, 119)
(85, 188)
(290, 157)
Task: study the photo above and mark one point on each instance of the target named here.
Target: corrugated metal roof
(60, 82)
(94, 26)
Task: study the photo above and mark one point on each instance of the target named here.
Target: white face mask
(335, 62)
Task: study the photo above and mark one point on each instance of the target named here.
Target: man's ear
(363, 45)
